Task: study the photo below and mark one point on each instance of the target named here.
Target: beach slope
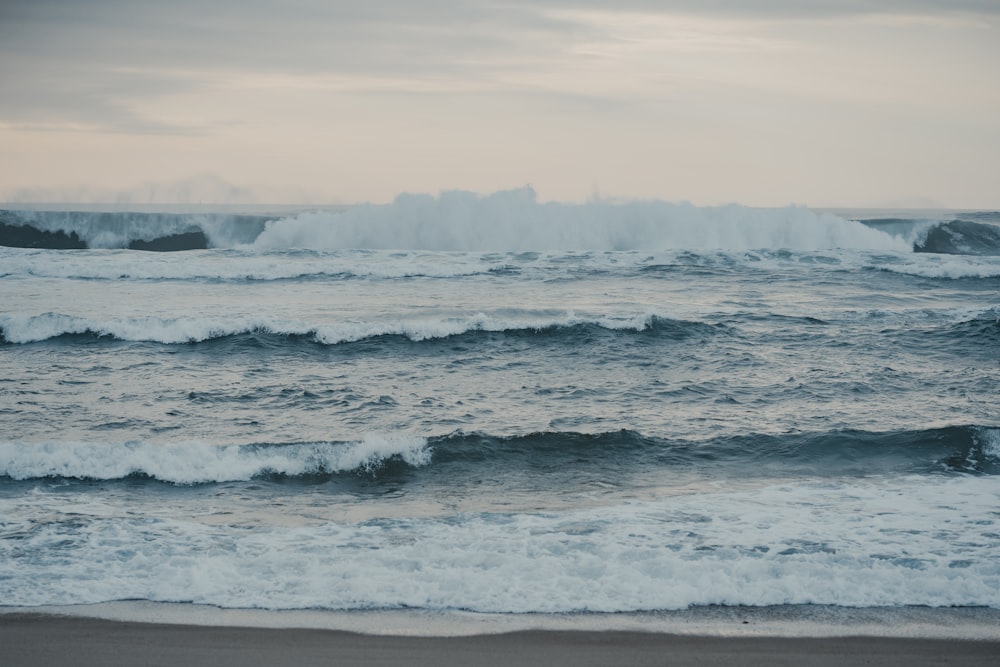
(34, 639)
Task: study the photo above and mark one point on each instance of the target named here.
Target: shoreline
(34, 639)
(780, 621)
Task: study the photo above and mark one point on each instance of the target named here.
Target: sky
(849, 103)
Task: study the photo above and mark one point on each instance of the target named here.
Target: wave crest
(961, 237)
(516, 221)
(511, 221)
(19, 329)
(200, 463)
(955, 449)
(138, 231)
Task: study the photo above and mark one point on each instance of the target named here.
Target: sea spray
(515, 220)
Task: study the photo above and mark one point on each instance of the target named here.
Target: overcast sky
(762, 102)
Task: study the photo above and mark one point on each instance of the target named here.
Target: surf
(174, 331)
(465, 457)
(505, 221)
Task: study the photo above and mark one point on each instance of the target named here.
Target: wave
(961, 449)
(19, 329)
(961, 237)
(515, 221)
(511, 221)
(972, 234)
(936, 330)
(553, 325)
(948, 267)
(506, 221)
(909, 541)
(199, 463)
(241, 266)
(983, 325)
(245, 266)
(973, 449)
(164, 232)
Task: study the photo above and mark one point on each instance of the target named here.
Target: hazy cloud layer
(85, 63)
(626, 93)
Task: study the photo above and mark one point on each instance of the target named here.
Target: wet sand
(35, 639)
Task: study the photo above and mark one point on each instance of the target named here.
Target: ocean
(492, 405)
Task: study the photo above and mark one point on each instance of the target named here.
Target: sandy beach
(35, 639)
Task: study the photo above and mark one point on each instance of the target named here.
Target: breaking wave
(200, 463)
(515, 221)
(36, 328)
(506, 221)
(512, 221)
(138, 231)
(961, 237)
(956, 449)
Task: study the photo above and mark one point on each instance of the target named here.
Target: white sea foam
(35, 328)
(927, 265)
(515, 221)
(510, 220)
(428, 329)
(197, 463)
(990, 442)
(21, 329)
(249, 264)
(863, 543)
(235, 265)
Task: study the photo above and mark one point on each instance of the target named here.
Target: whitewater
(511, 221)
(489, 404)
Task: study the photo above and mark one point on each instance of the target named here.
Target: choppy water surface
(496, 405)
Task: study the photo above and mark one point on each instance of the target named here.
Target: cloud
(101, 65)
(199, 189)
(87, 64)
(782, 9)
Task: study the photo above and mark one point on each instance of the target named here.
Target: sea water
(494, 405)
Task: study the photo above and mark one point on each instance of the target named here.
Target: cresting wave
(24, 329)
(510, 221)
(849, 540)
(164, 232)
(515, 221)
(15, 329)
(956, 449)
(199, 463)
